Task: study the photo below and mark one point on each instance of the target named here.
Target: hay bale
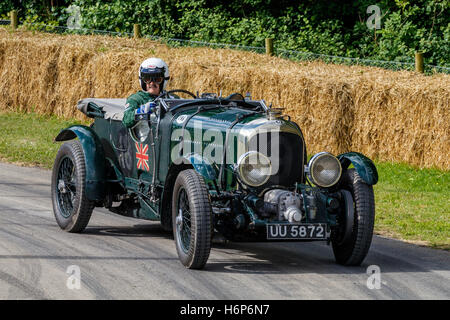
(388, 115)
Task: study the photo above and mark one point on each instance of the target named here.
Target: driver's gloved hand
(146, 108)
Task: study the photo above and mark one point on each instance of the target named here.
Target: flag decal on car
(142, 156)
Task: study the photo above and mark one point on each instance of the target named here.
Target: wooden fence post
(269, 46)
(137, 31)
(419, 62)
(13, 15)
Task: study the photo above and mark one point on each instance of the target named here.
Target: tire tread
(79, 219)
(201, 225)
(354, 252)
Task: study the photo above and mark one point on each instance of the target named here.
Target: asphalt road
(125, 258)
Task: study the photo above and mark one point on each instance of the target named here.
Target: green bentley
(206, 165)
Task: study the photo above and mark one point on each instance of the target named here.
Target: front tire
(71, 207)
(351, 249)
(191, 219)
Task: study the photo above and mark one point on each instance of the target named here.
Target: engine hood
(224, 119)
(234, 127)
(223, 135)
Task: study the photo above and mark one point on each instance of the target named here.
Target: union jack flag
(142, 157)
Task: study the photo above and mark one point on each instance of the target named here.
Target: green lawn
(411, 204)
(27, 139)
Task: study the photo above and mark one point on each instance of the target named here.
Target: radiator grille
(287, 154)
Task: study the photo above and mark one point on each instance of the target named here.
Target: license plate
(296, 231)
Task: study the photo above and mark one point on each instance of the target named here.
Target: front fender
(363, 165)
(202, 166)
(94, 158)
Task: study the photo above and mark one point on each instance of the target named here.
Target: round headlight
(254, 168)
(324, 169)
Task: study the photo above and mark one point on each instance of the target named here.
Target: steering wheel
(235, 97)
(165, 94)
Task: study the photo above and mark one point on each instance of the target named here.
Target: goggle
(148, 79)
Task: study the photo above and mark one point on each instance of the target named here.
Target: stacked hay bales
(388, 115)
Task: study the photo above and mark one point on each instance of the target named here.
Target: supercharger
(286, 204)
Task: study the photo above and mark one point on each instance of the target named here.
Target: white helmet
(154, 68)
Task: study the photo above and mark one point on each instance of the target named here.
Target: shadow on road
(293, 257)
(140, 230)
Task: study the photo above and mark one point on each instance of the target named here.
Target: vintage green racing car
(207, 164)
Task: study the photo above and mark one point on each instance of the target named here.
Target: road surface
(124, 258)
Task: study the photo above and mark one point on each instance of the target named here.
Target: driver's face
(153, 88)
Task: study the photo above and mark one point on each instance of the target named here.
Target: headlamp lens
(254, 168)
(324, 169)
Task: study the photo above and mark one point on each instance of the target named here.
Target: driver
(153, 78)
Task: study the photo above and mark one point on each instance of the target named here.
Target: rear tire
(191, 219)
(71, 207)
(353, 251)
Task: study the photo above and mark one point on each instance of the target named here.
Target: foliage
(425, 28)
(6, 7)
(319, 26)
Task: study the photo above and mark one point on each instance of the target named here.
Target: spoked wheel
(183, 222)
(66, 189)
(351, 240)
(71, 207)
(192, 221)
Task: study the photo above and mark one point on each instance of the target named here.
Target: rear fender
(94, 158)
(363, 165)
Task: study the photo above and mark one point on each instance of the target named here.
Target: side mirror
(140, 131)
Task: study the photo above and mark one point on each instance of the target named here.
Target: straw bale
(388, 115)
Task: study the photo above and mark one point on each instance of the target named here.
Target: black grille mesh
(290, 156)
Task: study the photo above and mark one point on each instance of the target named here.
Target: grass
(27, 138)
(411, 204)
